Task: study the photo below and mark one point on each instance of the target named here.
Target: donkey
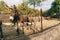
(26, 19)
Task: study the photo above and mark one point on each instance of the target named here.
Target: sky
(45, 5)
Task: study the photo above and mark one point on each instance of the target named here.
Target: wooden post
(41, 20)
(1, 29)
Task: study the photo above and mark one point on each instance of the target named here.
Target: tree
(2, 7)
(24, 9)
(54, 11)
(34, 2)
(56, 7)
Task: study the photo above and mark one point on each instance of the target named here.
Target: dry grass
(11, 30)
(46, 24)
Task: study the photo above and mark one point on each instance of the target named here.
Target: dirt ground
(36, 27)
(10, 30)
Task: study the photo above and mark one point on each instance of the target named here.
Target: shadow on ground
(9, 33)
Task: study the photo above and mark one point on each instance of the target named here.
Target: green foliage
(2, 7)
(24, 9)
(55, 9)
(56, 6)
(34, 2)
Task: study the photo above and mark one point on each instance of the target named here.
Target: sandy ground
(50, 34)
(10, 33)
(34, 28)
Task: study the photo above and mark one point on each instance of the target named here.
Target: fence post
(41, 20)
(1, 32)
